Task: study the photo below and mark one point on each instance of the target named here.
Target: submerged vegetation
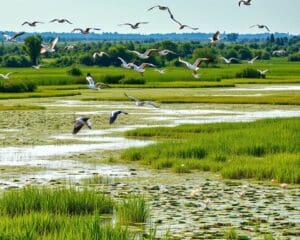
(266, 149)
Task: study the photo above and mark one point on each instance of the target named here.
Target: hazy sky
(208, 15)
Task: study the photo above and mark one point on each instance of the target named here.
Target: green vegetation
(44, 213)
(17, 86)
(20, 107)
(249, 73)
(266, 149)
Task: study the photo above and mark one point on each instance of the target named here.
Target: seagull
(161, 71)
(141, 68)
(69, 47)
(12, 38)
(261, 26)
(245, 2)
(6, 76)
(140, 103)
(85, 31)
(124, 64)
(31, 24)
(80, 122)
(114, 115)
(182, 26)
(61, 20)
(216, 37)
(37, 66)
(194, 67)
(165, 52)
(163, 8)
(252, 60)
(279, 52)
(134, 26)
(228, 61)
(100, 54)
(144, 55)
(49, 48)
(263, 73)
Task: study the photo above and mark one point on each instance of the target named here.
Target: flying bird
(252, 60)
(69, 47)
(215, 37)
(32, 24)
(85, 31)
(165, 52)
(245, 2)
(194, 67)
(12, 38)
(163, 8)
(140, 103)
(261, 27)
(182, 26)
(114, 115)
(161, 71)
(6, 76)
(49, 48)
(133, 26)
(124, 64)
(80, 122)
(100, 54)
(61, 20)
(37, 66)
(262, 72)
(228, 61)
(141, 69)
(144, 55)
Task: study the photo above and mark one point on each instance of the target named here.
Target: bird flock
(193, 67)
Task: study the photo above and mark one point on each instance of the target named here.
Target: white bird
(80, 122)
(165, 52)
(91, 82)
(85, 31)
(60, 20)
(6, 76)
(140, 103)
(133, 26)
(12, 38)
(124, 64)
(215, 37)
(245, 2)
(32, 24)
(141, 69)
(161, 71)
(261, 27)
(37, 66)
(197, 75)
(252, 60)
(228, 61)
(69, 47)
(164, 8)
(100, 54)
(144, 55)
(194, 67)
(279, 52)
(49, 48)
(182, 26)
(262, 72)
(114, 115)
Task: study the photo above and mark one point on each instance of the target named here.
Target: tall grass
(134, 209)
(266, 149)
(56, 201)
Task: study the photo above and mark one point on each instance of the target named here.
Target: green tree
(32, 46)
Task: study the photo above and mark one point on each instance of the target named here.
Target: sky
(207, 15)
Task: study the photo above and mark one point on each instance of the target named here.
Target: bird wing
(1, 75)
(233, 58)
(95, 55)
(266, 27)
(216, 36)
(153, 7)
(77, 126)
(66, 20)
(135, 52)
(25, 23)
(147, 52)
(122, 60)
(253, 26)
(7, 75)
(54, 20)
(54, 42)
(17, 35)
(182, 61)
(78, 29)
(144, 65)
(104, 53)
(132, 97)
(151, 103)
(97, 29)
(187, 26)
(128, 24)
(253, 59)
(199, 61)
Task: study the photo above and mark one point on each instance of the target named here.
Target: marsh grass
(20, 107)
(266, 149)
(55, 201)
(133, 209)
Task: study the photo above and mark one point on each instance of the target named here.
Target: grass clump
(17, 86)
(249, 73)
(134, 209)
(266, 149)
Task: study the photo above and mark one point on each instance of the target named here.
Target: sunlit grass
(266, 149)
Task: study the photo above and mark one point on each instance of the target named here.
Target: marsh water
(30, 140)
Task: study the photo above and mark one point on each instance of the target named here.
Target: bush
(132, 80)
(109, 79)
(248, 73)
(17, 86)
(75, 71)
(15, 61)
(294, 58)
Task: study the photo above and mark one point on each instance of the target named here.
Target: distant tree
(245, 53)
(206, 52)
(32, 46)
(231, 53)
(232, 37)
